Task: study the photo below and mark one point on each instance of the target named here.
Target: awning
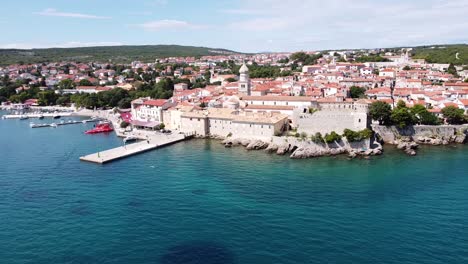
(151, 124)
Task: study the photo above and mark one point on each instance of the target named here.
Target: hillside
(442, 54)
(118, 54)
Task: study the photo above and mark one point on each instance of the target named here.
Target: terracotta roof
(156, 102)
(277, 98)
(269, 107)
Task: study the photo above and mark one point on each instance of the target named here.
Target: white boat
(23, 117)
(31, 124)
(130, 139)
(53, 125)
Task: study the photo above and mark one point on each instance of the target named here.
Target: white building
(148, 112)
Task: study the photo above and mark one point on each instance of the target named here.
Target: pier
(153, 142)
(63, 123)
(36, 115)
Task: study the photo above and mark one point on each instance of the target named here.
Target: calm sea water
(198, 202)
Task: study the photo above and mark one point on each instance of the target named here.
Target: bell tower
(244, 80)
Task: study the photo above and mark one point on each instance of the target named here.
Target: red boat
(100, 128)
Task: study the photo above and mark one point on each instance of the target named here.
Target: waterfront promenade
(152, 142)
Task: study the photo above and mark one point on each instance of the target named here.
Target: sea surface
(198, 202)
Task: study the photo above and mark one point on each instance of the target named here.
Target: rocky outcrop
(301, 149)
(256, 145)
(408, 146)
(272, 148)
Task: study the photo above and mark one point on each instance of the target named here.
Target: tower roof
(244, 69)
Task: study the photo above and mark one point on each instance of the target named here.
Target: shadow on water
(33, 195)
(198, 252)
(135, 203)
(81, 208)
(200, 192)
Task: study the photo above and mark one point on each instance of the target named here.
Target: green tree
(332, 137)
(453, 115)
(63, 100)
(357, 92)
(423, 116)
(85, 82)
(380, 111)
(407, 68)
(317, 138)
(452, 70)
(47, 98)
(124, 124)
(402, 117)
(125, 103)
(66, 84)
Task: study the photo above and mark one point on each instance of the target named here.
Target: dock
(65, 123)
(153, 142)
(51, 115)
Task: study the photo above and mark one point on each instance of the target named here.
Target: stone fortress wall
(336, 116)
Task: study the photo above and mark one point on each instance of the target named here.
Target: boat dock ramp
(152, 142)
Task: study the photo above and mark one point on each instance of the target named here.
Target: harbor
(151, 142)
(63, 123)
(37, 115)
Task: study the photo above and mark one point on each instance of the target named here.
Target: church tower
(244, 80)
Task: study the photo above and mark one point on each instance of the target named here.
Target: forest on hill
(114, 54)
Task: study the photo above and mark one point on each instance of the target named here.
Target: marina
(37, 115)
(63, 123)
(152, 142)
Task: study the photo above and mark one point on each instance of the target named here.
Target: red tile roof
(156, 102)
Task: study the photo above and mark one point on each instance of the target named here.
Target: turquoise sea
(198, 202)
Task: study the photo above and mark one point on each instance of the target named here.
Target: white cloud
(157, 25)
(56, 13)
(317, 24)
(71, 44)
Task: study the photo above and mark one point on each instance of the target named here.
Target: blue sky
(242, 25)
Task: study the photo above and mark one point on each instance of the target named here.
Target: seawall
(434, 135)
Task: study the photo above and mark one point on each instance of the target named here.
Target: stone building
(332, 114)
(222, 122)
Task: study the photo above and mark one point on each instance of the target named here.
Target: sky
(241, 25)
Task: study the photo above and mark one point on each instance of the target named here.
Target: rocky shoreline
(410, 138)
(407, 140)
(302, 149)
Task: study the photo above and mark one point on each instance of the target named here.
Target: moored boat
(100, 128)
(130, 139)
